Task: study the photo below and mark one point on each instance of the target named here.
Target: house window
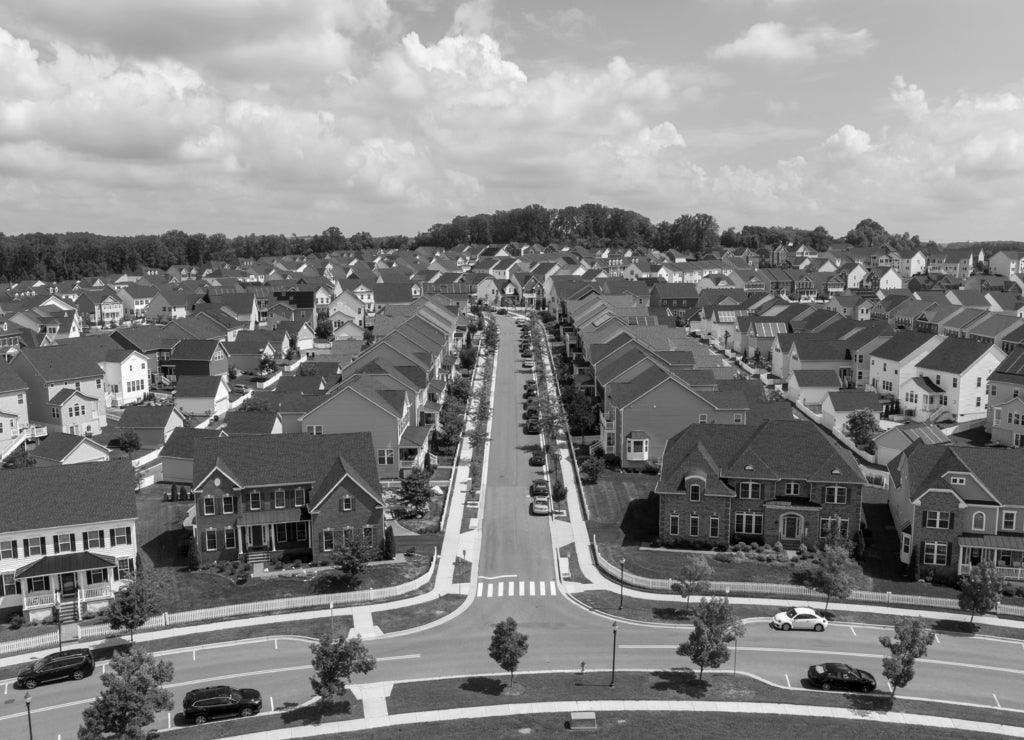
(955, 381)
(300, 532)
(1009, 521)
(279, 498)
(120, 536)
(314, 429)
(694, 525)
(702, 418)
(737, 418)
(211, 540)
(367, 533)
(10, 586)
(327, 540)
(977, 402)
(906, 544)
(98, 575)
(749, 489)
(346, 503)
(749, 522)
(209, 507)
(346, 536)
(229, 538)
(8, 550)
(255, 502)
(957, 480)
(792, 489)
(36, 546)
(978, 384)
(938, 519)
(65, 543)
(386, 457)
(695, 492)
(227, 504)
(936, 553)
(281, 532)
(826, 527)
(41, 583)
(835, 495)
(125, 568)
(978, 521)
(637, 446)
(300, 497)
(673, 525)
(93, 539)
(713, 527)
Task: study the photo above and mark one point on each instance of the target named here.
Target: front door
(68, 584)
(256, 537)
(790, 528)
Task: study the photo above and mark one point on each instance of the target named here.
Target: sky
(387, 116)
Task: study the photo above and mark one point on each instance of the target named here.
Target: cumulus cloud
(776, 42)
(473, 17)
(568, 23)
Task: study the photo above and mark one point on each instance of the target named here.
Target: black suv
(214, 702)
(76, 664)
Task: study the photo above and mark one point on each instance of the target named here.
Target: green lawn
(619, 510)
(288, 716)
(396, 620)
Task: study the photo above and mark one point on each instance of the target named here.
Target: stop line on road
(507, 589)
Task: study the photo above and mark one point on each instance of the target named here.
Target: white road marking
(889, 684)
(494, 578)
(479, 589)
(788, 684)
(542, 589)
(997, 701)
(411, 656)
(853, 631)
(490, 590)
(648, 647)
(501, 588)
(937, 640)
(533, 588)
(553, 590)
(522, 588)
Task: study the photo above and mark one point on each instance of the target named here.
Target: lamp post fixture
(615, 640)
(28, 711)
(622, 572)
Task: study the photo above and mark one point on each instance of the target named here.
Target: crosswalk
(507, 589)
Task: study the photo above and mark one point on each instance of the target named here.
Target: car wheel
(200, 719)
(247, 711)
(866, 689)
(818, 627)
(786, 627)
(826, 686)
(78, 675)
(31, 683)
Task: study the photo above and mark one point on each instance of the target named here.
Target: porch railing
(1016, 574)
(97, 591)
(34, 602)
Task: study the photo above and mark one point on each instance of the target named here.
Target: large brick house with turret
(781, 481)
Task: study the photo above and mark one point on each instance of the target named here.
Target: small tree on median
(833, 577)
(136, 602)
(714, 627)
(979, 589)
(334, 662)
(132, 694)
(508, 646)
(910, 643)
(694, 575)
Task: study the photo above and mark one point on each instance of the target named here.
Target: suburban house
(952, 381)
(13, 410)
(65, 389)
(69, 449)
(125, 370)
(196, 357)
(1005, 417)
(67, 538)
(894, 362)
(176, 456)
(809, 387)
(198, 395)
(780, 481)
(892, 442)
(955, 507)
(153, 424)
(838, 405)
(290, 496)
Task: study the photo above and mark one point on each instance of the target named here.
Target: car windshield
(39, 665)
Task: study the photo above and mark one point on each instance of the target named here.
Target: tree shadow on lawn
(874, 702)
(682, 681)
(670, 614)
(640, 522)
(168, 549)
(483, 685)
(314, 714)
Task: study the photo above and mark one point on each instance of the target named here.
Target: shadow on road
(680, 682)
(482, 685)
(952, 625)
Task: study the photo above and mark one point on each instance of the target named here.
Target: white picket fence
(789, 590)
(217, 613)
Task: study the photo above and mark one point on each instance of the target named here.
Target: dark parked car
(531, 413)
(76, 664)
(531, 390)
(537, 458)
(532, 427)
(215, 702)
(840, 676)
(539, 487)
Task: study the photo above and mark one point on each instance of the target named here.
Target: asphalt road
(516, 561)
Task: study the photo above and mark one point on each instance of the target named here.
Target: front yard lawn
(621, 511)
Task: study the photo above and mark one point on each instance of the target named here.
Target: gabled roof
(57, 446)
(146, 417)
(816, 378)
(182, 440)
(1010, 370)
(65, 495)
(59, 362)
(900, 345)
(198, 386)
(852, 400)
(955, 355)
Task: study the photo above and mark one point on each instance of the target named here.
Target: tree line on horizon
(74, 255)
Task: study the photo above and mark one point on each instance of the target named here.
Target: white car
(799, 618)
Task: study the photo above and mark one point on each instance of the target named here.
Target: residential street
(517, 560)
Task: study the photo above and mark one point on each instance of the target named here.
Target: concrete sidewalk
(566, 707)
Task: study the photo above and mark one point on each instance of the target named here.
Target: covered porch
(412, 450)
(69, 585)
(1005, 551)
(263, 533)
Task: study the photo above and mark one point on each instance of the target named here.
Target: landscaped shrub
(725, 557)
(613, 461)
(15, 621)
(778, 547)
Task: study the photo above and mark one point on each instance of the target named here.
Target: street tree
(833, 576)
(714, 628)
(592, 468)
(135, 603)
(415, 492)
(452, 419)
(693, 577)
(980, 589)
(508, 646)
(133, 692)
(459, 389)
(334, 661)
(349, 560)
(910, 643)
(861, 426)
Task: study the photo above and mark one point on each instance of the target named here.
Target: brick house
(955, 507)
(781, 481)
(285, 495)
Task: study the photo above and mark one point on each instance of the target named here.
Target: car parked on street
(539, 487)
(528, 364)
(799, 618)
(840, 676)
(215, 702)
(531, 413)
(74, 664)
(532, 427)
(537, 458)
(540, 505)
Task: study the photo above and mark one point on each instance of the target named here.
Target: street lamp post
(28, 711)
(615, 641)
(622, 572)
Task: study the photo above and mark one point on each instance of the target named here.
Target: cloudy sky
(281, 116)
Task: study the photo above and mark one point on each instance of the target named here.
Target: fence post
(888, 595)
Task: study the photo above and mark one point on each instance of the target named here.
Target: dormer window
(695, 492)
(957, 480)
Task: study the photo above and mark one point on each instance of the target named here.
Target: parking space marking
(853, 631)
(997, 701)
(788, 684)
(937, 640)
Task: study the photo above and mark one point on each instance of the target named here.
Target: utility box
(582, 721)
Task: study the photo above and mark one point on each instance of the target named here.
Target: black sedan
(214, 702)
(840, 676)
(537, 458)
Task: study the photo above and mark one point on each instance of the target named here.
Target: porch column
(272, 538)
(240, 538)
